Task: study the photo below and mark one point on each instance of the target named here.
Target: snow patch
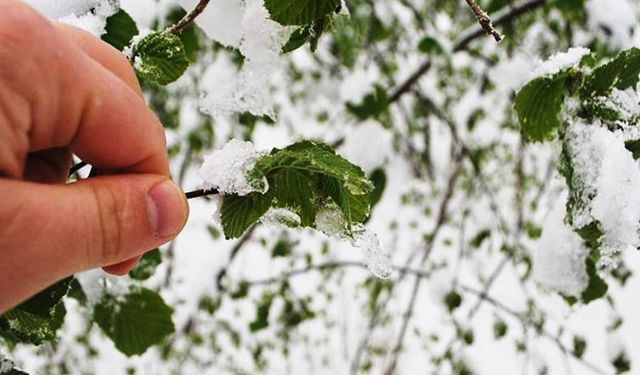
(89, 15)
(560, 61)
(226, 169)
(560, 255)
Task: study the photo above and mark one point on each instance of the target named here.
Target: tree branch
(484, 20)
(472, 33)
(188, 19)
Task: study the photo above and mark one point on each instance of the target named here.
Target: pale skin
(63, 92)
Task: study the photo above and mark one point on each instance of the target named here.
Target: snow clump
(89, 15)
(560, 61)
(226, 169)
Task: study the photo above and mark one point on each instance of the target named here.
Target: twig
(467, 37)
(188, 18)
(441, 218)
(76, 167)
(201, 193)
(484, 20)
(234, 251)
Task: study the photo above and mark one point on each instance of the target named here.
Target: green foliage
(621, 363)
(579, 346)
(119, 30)
(539, 106)
(452, 300)
(160, 57)
(301, 178)
(500, 329)
(38, 319)
(300, 12)
(262, 313)
(621, 73)
(379, 179)
(147, 265)
(135, 321)
(373, 105)
(597, 287)
(429, 45)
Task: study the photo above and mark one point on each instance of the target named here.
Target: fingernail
(167, 208)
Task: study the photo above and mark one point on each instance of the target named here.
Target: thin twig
(201, 193)
(467, 37)
(188, 18)
(76, 167)
(484, 20)
(234, 251)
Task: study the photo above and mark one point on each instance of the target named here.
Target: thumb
(48, 232)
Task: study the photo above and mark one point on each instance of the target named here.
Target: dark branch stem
(484, 20)
(76, 167)
(188, 18)
(201, 193)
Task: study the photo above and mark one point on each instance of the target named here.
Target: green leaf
(452, 300)
(136, 321)
(379, 179)
(190, 36)
(500, 329)
(579, 346)
(119, 30)
(297, 39)
(147, 265)
(538, 105)
(429, 45)
(300, 12)
(596, 288)
(294, 191)
(622, 72)
(262, 313)
(373, 104)
(238, 213)
(38, 319)
(160, 57)
(634, 147)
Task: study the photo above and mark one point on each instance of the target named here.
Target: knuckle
(112, 212)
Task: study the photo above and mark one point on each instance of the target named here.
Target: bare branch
(484, 20)
(188, 18)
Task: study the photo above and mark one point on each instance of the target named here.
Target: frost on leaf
(281, 216)
(330, 221)
(560, 255)
(227, 169)
(603, 172)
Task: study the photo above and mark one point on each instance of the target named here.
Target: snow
(560, 61)
(246, 26)
(560, 255)
(331, 222)
(89, 15)
(226, 169)
(605, 170)
(5, 364)
(280, 217)
(618, 17)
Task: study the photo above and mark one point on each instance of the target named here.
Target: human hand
(63, 92)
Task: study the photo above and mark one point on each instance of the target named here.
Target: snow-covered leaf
(135, 321)
(37, 319)
(160, 57)
(622, 72)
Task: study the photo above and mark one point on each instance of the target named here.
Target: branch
(484, 20)
(470, 35)
(188, 19)
(500, 306)
(234, 251)
(201, 193)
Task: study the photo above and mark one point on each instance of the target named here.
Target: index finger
(75, 101)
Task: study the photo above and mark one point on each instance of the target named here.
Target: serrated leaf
(147, 265)
(294, 191)
(119, 30)
(622, 72)
(38, 319)
(300, 12)
(297, 39)
(539, 105)
(160, 57)
(136, 321)
(238, 213)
